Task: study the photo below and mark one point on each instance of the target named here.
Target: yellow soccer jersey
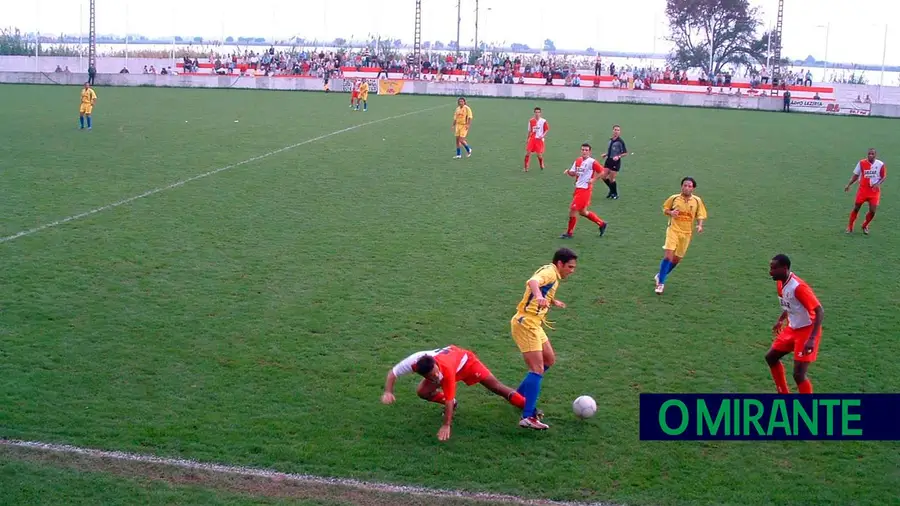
(688, 210)
(88, 96)
(462, 116)
(548, 279)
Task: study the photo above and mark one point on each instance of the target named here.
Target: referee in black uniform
(613, 161)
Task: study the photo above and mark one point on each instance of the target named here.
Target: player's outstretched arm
(853, 179)
(388, 396)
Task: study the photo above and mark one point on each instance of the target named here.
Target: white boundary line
(154, 191)
(277, 476)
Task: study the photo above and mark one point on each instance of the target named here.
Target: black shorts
(613, 165)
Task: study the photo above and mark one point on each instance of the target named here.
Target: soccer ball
(584, 407)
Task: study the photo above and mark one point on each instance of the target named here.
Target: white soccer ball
(584, 407)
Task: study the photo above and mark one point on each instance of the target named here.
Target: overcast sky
(856, 34)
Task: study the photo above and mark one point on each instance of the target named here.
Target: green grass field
(249, 317)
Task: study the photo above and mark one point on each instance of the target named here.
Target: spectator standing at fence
(787, 101)
(92, 72)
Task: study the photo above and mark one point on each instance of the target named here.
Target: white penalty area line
(278, 477)
(213, 172)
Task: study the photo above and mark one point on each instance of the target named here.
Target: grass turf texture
(250, 317)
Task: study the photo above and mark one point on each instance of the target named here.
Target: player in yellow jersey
(363, 96)
(682, 209)
(462, 120)
(528, 332)
(88, 99)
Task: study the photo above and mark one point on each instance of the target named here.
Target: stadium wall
(398, 87)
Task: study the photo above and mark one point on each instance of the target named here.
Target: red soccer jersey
(537, 128)
(870, 173)
(798, 301)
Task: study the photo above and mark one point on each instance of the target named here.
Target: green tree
(710, 34)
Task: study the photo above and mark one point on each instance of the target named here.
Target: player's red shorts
(789, 340)
(535, 146)
(581, 199)
(355, 94)
(873, 198)
(474, 371)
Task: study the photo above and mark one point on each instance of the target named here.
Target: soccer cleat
(538, 414)
(866, 230)
(656, 278)
(615, 196)
(566, 236)
(603, 228)
(533, 423)
(469, 153)
(848, 231)
(659, 288)
(609, 195)
(457, 157)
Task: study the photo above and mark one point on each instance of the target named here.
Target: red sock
(593, 217)
(853, 215)
(438, 398)
(780, 379)
(527, 160)
(517, 400)
(869, 216)
(572, 221)
(805, 387)
(541, 161)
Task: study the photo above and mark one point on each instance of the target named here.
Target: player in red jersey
(870, 172)
(534, 143)
(803, 314)
(441, 369)
(354, 93)
(585, 170)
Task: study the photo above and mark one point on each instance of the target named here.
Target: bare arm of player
(388, 396)
(779, 323)
(559, 303)
(448, 385)
(817, 328)
(853, 179)
(535, 287)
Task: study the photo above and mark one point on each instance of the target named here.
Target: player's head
(460, 101)
(780, 267)
(537, 112)
(688, 185)
(565, 261)
(87, 85)
(426, 367)
(585, 149)
(617, 131)
(872, 154)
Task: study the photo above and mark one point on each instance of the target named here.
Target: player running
(527, 330)
(803, 314)
(363, 96)
(441, 369)
(615, 151)
(88, 99)
(534, 143)
(462, 120)
(871, 173)
(585, 170)
(682, 209)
